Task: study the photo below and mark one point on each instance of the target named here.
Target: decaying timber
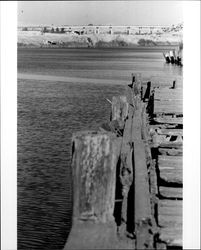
(127, 176)
(166, 142)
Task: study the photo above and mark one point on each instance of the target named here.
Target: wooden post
(119, 108)
(97, 30)
(94, 160)
(174, 84)
(147, 93)
(94, 168)
(141, 92)
(150, 106)
(136, 80)
(110, 30)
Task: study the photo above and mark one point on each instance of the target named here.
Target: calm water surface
(49, 112)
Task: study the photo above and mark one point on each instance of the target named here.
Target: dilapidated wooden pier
(127, 176)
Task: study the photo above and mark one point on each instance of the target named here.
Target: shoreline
(36, 39)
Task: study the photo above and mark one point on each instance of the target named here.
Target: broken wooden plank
(142, 197)
(175, 132)
(170, 208)
(171, 144)
(169, 120)
(142, 205)
(170, 161)
(171, 175)
(170, 221)
(151, 169)
(171, 151)
(162, 126)
(142, 202)
(171, 192)
(159, 139)
(164, 143)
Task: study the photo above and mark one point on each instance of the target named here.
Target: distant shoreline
(36, 39)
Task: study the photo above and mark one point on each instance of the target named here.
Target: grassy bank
(36, 39)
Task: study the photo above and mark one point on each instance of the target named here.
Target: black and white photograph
(100, 146)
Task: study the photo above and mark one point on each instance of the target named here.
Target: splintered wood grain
(141, 188)
(119, 108)
(171, 144)
(94, 167)
(170, 220)
(170, 168)
(171, 192)
(142, 198)
(171, 175)
(171, 151)
(176, 132)
(169, 120)
(170, 161)
(170, 141)
(170, 213)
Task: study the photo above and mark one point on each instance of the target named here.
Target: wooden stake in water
(94, 160)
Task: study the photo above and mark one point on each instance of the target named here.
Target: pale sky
(100, 12)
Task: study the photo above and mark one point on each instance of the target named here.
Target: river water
(61, 91)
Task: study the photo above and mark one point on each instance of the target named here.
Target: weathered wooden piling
(174, 84)
(150, 105)
(143, 218)
(134, 91)
(147, 93)
(119, 108)
(94, 160)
